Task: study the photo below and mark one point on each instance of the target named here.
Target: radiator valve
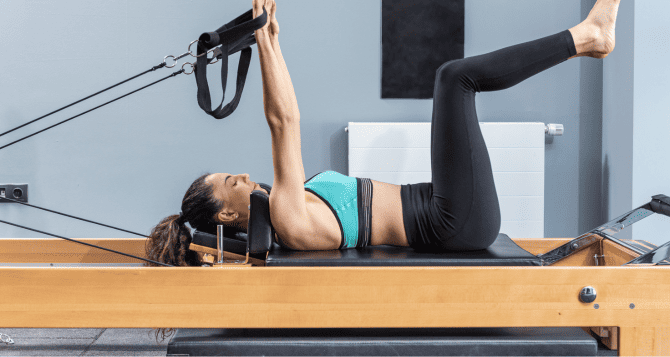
(553, 129)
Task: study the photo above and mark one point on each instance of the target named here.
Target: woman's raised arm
(274, 39)
(281, 89)
(287, 202)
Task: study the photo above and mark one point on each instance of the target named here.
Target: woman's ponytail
(168, 243)
(169, 240)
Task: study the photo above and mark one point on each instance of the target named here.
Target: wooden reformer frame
(633, 302)
(53, 283)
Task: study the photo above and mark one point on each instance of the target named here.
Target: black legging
(459, 209)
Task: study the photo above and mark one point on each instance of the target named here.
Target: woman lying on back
(457, 210)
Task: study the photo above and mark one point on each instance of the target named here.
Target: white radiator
(399, 153)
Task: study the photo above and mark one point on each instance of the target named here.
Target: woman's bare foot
(594, 37)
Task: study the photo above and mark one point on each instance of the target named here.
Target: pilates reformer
(615, 289)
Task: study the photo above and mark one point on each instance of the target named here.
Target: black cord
(83, 99)
(92, 109)
(90, 245)
(70, 216)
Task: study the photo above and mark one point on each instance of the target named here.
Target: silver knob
(588, 294)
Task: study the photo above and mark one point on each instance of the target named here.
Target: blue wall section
(130, 163)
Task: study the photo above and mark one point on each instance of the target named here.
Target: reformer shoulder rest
(257, 241)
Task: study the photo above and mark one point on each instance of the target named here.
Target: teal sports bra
(350, 200)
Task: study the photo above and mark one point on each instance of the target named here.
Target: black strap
(237, 35)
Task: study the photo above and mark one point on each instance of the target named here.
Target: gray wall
(636, 116)
(617, 124)
(651, 114)
(130, 163)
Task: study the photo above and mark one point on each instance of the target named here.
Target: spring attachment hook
(173, 59)
(215, 58)
(191, 53)
(184, 69)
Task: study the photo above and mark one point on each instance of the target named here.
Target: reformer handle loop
(216, 57)
(237, 35)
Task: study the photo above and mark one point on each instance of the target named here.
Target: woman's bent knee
(454, 71)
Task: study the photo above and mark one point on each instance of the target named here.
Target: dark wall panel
(417, 37)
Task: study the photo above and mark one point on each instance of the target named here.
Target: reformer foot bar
(504, 292)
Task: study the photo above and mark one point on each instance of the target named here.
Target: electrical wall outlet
(17, 192)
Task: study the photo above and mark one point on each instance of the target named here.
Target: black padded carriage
(502, 252)
(370, 342)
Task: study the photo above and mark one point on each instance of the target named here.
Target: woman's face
(234, 191)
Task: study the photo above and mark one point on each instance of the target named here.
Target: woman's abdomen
(387, 220)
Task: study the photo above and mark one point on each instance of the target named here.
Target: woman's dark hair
(169, 240)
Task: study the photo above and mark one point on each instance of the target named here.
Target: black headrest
(258, 238)
(265, 186)
(259, 231)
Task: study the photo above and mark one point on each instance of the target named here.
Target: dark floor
(81, 342)
(98, 342)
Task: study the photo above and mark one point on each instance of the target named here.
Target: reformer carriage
(616, 289)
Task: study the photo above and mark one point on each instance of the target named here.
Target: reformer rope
(75, 217)
(234, 36)
(85, 98)
(92, 109)
(84, 243)
(237, 35)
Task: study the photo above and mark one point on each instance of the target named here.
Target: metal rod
(219, 244)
